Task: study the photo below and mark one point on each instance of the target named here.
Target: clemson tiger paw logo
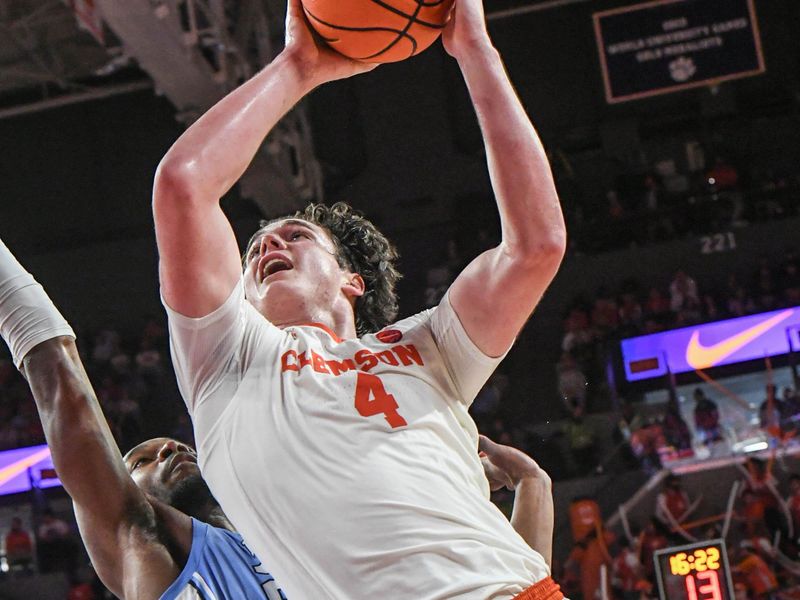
(682, 69)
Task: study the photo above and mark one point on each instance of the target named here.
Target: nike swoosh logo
(701, 357)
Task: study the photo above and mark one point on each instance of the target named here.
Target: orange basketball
(378, 30)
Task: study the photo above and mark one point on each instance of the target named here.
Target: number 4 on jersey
(373, 399)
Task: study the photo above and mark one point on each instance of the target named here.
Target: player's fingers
(485, 445)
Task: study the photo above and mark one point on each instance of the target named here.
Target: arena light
(711, 345)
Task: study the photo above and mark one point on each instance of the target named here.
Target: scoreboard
(695, 572)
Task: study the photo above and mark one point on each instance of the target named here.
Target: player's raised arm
(533, 516)
(199, 257)
(496, 293)
(111, 510)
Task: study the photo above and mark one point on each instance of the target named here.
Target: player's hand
(508, 467)
(314, 59)
(466, 31)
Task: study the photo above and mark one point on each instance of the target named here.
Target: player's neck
(212, 514)
(339, 319)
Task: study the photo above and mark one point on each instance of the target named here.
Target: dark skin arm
(136, 548)
(533, 515)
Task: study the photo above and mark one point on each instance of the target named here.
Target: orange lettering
(303, 359)
(366, 360)
(285, 364)
(387, 357)
(408, 355)
(319, 363)
(337, 368)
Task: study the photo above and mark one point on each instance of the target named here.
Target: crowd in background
(132, 378)
(658, 203)
(590, 324)
(762, 531)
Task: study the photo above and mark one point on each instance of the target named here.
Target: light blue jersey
(220, 567)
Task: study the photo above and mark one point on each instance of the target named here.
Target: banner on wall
(712, 345)
(670, 45)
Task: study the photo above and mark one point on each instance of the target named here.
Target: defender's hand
(312, 56)
(508, 467)
(466, 32)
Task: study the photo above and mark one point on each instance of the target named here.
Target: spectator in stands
(762, 504)
(579, 333)
(676, 431)
(627, 572)
(19, 547)
(631, 314)
(793, 502)
(757, 575)
(581, 442)
(683, 292)
(628, 424)
(710, 308)
(651, 540)
(657, 307)
(706, 418)
(741, 303)
(571, 382)
(106, 346)
(55, 544)
(604, 317)
(791, 408)
(771, 412)
(672, 509)
(766, 296)
(80, 589)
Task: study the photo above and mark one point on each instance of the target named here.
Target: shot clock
(694, 572)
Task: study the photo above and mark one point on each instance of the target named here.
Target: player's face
(160, 465)
(292, 272)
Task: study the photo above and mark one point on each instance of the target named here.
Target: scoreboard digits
(694, 572)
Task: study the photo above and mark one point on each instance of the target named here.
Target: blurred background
(673, 130)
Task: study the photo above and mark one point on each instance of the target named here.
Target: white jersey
(350, 466)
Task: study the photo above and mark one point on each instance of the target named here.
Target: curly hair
(362, 249)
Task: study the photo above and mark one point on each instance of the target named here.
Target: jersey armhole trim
(199, 532)
(476, 352)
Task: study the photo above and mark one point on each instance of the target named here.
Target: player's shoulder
(408, 328)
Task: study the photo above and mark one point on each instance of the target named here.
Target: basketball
(378, 31)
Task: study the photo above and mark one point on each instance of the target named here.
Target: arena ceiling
(54, 52)
(44, 54)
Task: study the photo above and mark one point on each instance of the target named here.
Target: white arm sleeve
(468, 366)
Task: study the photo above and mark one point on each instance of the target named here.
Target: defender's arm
(116, 521)
(533, 516)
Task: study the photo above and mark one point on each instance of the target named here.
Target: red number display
(699, 590)
(373, 399)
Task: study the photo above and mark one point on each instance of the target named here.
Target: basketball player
(150, 524)
(353, 459)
